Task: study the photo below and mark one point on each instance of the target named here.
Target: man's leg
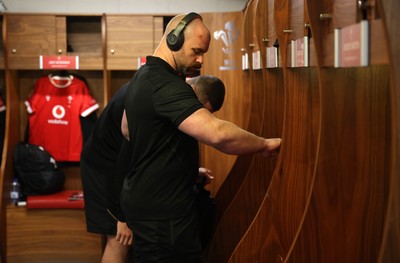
(114, 252)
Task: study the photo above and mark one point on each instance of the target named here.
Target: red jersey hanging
(54, 111)
(2, 105)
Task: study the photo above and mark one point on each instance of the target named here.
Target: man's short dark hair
(212, 88)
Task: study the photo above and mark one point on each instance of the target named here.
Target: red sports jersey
(54, 109)
(2, 105)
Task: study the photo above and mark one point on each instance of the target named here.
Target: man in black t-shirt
(103, 167)
(164, 121)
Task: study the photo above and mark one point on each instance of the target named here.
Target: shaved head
(195, 40)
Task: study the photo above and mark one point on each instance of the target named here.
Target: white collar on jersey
(61, 81)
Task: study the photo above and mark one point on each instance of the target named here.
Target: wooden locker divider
(346, 214)
(273, 77)
(2, 166)
(275, 228)
(12, 136)
(256, 177)
(232, 178)
(389, 250)
(236, 103)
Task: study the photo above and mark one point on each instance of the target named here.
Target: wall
(122, 6)
(333, 193)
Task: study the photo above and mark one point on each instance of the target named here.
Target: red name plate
(351, 45)
(300, 52)
(59, 62)
(141, 61)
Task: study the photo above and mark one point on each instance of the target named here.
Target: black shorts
(166, 241)
(98, 219)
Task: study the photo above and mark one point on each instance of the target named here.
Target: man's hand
(272, 147)
(124, 234)
(205, 176)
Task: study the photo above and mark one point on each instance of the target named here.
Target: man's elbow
(219, 141)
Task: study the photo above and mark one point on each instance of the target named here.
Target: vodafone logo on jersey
(58, 113)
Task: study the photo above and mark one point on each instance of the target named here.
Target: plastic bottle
(15, 192)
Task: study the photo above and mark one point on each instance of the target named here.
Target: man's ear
(208, 106)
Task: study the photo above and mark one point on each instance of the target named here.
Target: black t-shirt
(164, 161)
(104, 143)
(102, 153)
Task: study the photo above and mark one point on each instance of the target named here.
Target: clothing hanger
(62, 73)
(62, 79)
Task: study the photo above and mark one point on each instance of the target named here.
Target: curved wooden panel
(335, 195)
(234, 179)
(273, 77)
(390, 251)
(242, 209)
(345, 218)
(275, 228)
(223, 60)
(11, 138)
(228, 170)
(272, 125)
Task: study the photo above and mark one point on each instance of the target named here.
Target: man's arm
(226, 136)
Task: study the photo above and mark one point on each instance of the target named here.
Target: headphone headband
(185, 21)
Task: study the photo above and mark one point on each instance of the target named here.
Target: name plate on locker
(141, 61)
(300, 51)
(256, 60)
(59, 62)
(272, 57)
(352, 45)
(245, 61)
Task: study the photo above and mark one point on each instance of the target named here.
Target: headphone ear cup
(174, 41)
(175, 38)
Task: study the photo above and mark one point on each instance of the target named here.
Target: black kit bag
(37, 170)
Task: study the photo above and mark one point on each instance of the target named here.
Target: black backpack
(37, 170)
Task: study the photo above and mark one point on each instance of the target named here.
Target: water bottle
(15, 191)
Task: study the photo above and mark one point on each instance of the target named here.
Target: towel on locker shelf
(63, 199)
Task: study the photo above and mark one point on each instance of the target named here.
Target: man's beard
(192, 71)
